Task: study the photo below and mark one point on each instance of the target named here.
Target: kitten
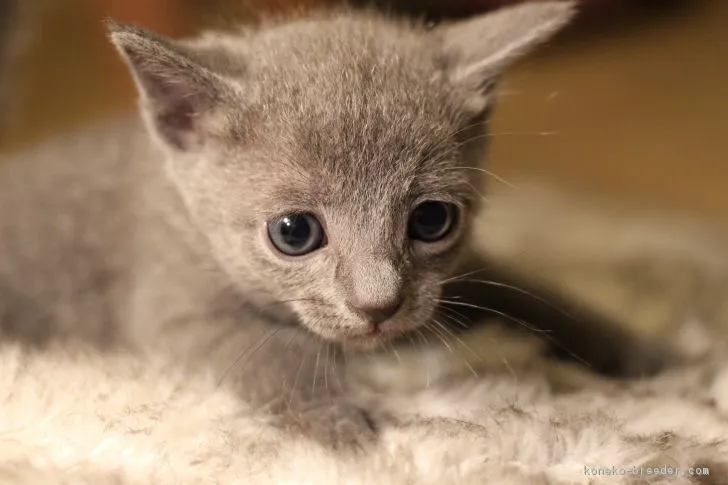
(292, 191)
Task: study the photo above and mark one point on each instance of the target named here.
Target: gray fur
(153, 235)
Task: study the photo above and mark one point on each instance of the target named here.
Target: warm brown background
(637, 110)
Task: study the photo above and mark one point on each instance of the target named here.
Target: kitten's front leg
(271, 363)
(572, 329)
(316, 403)
(288, 374)
(333, 422)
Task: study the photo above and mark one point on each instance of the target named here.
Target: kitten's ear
(477, 50)
(180, 99)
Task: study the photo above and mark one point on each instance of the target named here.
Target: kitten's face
(346, 193)
(331, 163)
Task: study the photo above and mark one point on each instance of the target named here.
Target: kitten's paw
(336, 424)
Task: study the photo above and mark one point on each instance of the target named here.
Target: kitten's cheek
(428, 305)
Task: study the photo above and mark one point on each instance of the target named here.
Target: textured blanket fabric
(487, 410)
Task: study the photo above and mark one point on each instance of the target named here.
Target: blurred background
(630, 104)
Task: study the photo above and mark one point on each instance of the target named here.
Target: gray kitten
(313, 174)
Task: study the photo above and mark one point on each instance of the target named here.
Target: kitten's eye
(296, 234)
(431, 221)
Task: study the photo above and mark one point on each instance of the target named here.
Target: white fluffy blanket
(71, 415)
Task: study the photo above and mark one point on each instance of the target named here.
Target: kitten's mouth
(374, 337)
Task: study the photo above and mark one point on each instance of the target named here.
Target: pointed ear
(477, 50)
(180, 99)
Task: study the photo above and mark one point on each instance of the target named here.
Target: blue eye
(296, 234)
(432, 221)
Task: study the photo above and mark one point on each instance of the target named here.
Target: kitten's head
(332, 161)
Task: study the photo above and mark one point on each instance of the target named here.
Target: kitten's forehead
(358, 101)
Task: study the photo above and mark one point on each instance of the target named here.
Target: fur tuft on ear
(477, 50)
(178, 95)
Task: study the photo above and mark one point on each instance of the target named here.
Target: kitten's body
(152, 235)
(117, 264)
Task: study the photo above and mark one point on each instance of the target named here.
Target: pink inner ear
(175, 108)
(175, 90)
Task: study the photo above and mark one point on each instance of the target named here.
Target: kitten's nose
(376, 313)
(374, 290)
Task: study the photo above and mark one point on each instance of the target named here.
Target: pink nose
(377, 313)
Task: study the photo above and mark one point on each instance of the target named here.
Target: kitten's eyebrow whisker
(477, 191)
(476, 124)
(524, 133)
(480, 136)
(469, 127)
(505, 133)
(486, 172)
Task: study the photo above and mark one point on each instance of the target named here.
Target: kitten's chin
(368, 340)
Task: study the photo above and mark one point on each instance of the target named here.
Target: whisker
(522, 291)
(544, 332)
(458, 322)
(397, 356)
(326, 367)
(492, 310)
(292, 300)
(339, 386)
(443, 145)
(477, 191)
(260, 343)
(294, 387)
(439, 335)
(389, 347)
(411, 340)
(505, 133)
(502, 357)
(468, 127)
(287, 349)
(422, 335)
(316, 368)
(457, 277)
(486, 172)
(463, 345)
